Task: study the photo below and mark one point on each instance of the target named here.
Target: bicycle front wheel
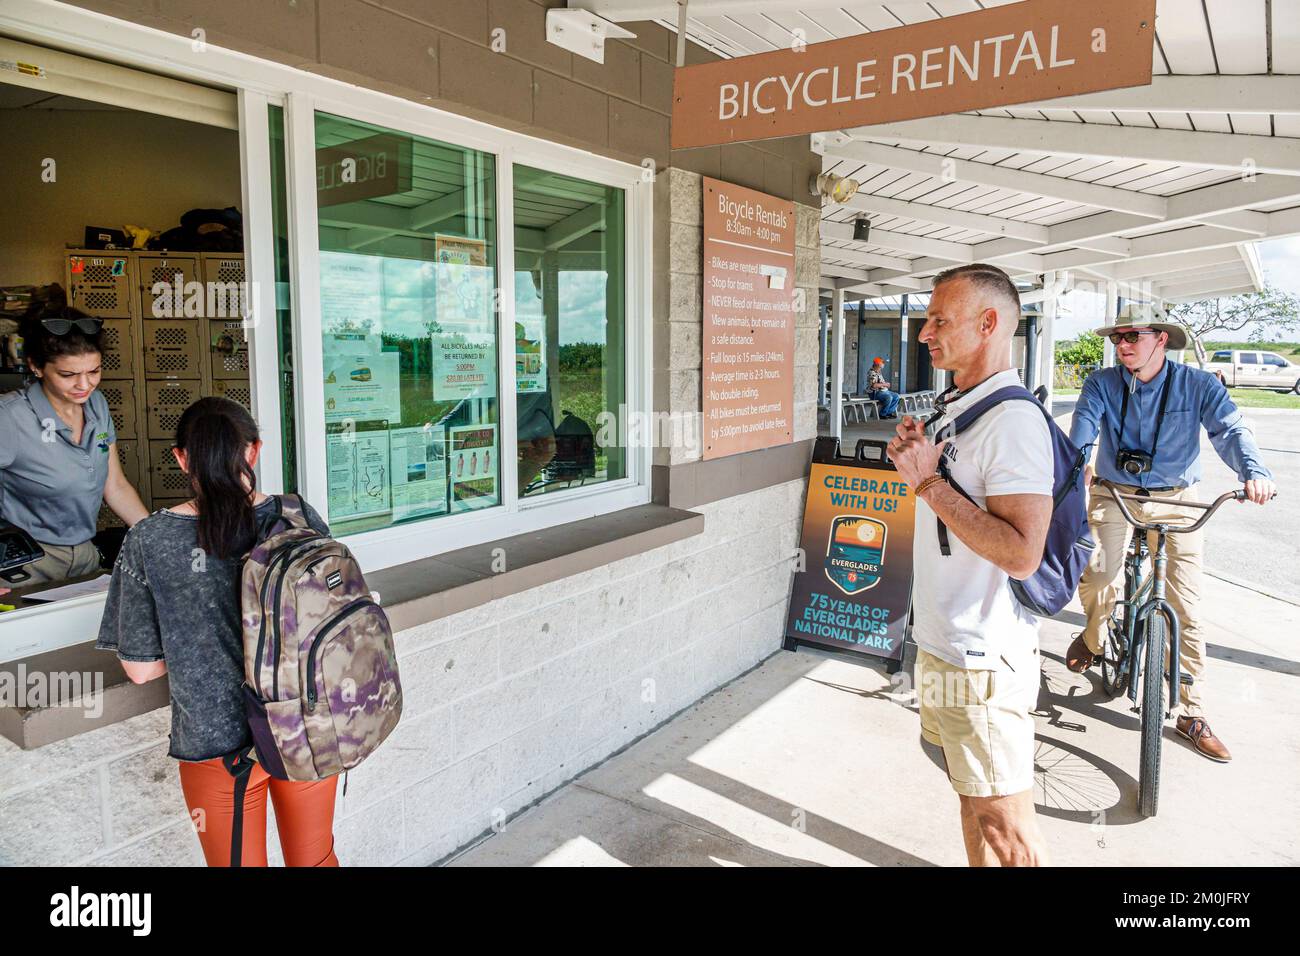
(1153, 712)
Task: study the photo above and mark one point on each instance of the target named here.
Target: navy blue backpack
(1069, 542)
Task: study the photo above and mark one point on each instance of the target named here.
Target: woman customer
(174, 608)
(58, 457)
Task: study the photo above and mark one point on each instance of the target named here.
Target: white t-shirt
(965, 612)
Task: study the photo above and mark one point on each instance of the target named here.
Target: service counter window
(408, 326)
(570, 352)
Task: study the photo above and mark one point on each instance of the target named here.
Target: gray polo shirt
(49, 487)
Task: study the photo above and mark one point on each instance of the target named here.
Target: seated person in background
(878, 389)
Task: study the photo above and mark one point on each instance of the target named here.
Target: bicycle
(1142, 626)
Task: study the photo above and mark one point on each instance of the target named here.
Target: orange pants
(304, 815)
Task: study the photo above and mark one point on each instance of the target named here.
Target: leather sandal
(1079, 657)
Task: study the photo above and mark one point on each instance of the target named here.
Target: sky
(1280, 259)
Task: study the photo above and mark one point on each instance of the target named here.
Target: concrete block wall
(503, 703)
(488, 59)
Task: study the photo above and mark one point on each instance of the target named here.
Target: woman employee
(58, 457)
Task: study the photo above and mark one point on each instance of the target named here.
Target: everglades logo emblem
(855, 553)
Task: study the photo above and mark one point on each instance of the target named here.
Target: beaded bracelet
(933, 479)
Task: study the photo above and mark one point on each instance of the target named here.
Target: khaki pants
(1103, 581)
(62, 561)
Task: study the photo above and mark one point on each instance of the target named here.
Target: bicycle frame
(1147, 594)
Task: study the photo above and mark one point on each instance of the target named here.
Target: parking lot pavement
(812, 760)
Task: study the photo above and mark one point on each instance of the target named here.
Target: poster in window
(364, 385)
(463, 367)
(464, 285)
(472, 466)
(357, 464)
(530, 360)
(419, 461)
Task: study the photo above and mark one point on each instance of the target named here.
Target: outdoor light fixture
(582, 32)
(861, 229)
(835, 188)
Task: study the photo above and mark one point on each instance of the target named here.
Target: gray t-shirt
(170, 601)
(50, 487)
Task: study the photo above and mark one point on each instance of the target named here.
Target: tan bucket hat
(1134, 316)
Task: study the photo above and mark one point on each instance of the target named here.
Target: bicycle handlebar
(1120, 497)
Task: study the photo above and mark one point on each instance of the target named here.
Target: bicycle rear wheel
(1113, 677)
(1153, 712)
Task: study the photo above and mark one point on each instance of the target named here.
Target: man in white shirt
(977, 670)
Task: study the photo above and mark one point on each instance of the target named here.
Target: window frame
(260, 83)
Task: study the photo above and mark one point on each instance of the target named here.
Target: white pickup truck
(1255, 370)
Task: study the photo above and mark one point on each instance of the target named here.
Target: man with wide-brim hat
(1135, 318)
(1144, 416)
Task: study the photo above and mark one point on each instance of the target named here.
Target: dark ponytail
(214, 433)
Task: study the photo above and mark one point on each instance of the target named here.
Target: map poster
(855, 591)
(472, 462)
(357, 468)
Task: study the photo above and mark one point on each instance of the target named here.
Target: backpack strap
(239, 765)
(964, 421)
(290, 511)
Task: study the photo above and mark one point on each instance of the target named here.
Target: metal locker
(99, 283)
(165, 401)
(168, 303)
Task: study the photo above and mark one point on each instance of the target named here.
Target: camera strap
(1160, 414)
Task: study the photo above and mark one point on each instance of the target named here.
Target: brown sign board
(747, 374)
(1017, 53)
(378, 165)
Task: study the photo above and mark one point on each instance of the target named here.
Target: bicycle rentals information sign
(855, 590)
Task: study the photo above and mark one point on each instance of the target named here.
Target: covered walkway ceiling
(1160, 189)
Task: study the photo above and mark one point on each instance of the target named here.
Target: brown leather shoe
(1078, 657)
(1198, 732)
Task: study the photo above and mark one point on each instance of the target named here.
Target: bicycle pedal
(1185, 679)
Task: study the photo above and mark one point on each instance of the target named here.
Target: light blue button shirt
(1196, 399)
(49, 486)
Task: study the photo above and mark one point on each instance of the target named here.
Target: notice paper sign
(472, 464)
(747, 378)
(855, 590)
(1016, 53)
(419, 461)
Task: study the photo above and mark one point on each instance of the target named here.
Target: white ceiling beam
(1202, 287)
(941, 215)
(872, 260)
(1195, 205)
(1111, 244)
(1251, 223)
(1142, 269)
(949, 169)
(1276, 94)
(952, 251)
(1250, 258)
(575, 226)
(1218, 293)
(1215, 150)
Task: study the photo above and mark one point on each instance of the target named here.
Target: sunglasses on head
(1131, 336)
(64, 326)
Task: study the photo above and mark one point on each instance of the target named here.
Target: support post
(837, 363)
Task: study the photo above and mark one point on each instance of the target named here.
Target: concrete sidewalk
(812, 760)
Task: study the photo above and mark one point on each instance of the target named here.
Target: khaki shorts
(982, 721)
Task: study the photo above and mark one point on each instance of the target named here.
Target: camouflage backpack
(321, 689)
